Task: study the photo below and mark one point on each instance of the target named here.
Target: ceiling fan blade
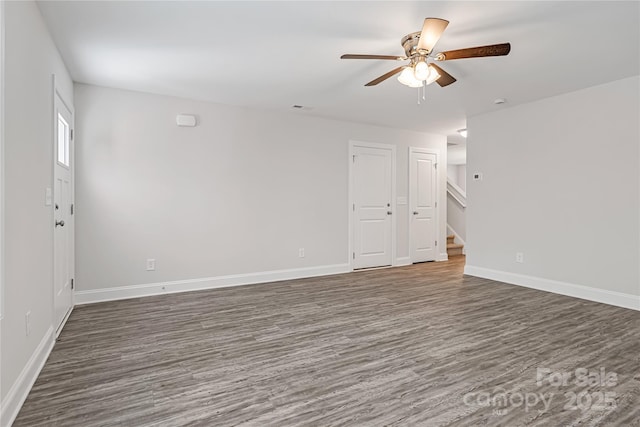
(385, 76)
(445, 78)
(432, 29)
(475, 52)
(354, 56)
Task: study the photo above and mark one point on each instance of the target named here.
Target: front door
(372, 210)
(62, 212)
(422, 198)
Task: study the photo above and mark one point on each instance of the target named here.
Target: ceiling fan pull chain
(422, 92)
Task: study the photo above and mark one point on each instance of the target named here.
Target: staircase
(456, 223)
(453, 249)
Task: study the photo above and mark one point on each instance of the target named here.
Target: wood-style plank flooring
(413, 346)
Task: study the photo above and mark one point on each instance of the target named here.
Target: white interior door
(372, 175)
(422, 199)
(63, 212)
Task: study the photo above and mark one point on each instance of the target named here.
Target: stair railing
(457, 193)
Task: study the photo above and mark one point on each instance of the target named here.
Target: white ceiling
(274, 54)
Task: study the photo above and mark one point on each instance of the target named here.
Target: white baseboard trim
(13, 401)
(618, 299)
(458, 238)
(149, 289)
(443, 257)
(401, 262)
(64, 321)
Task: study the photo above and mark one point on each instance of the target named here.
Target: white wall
(457, 174)
(561, 185)
(238, 194)
(452, 173)
(457, 153)
(30, 60)
(1, 167)
(462, 177)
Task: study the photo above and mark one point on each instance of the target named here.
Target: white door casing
(63, 238)
(372, 194)
(423, 220)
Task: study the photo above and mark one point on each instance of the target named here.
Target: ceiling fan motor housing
(410, 45)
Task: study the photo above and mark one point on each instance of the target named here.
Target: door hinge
(72, 284)
(435, 165)
(436, 243)
(354, 207)
(354, 255)
(436, 204)
(71, 208)
(71, 134)
(354, 158)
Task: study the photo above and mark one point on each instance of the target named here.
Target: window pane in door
(63, 141)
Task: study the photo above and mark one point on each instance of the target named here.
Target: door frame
(58, 96)
(352, 145)
(413, 150)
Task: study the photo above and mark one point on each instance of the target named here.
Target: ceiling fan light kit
(421, 70)
(418, 47)
(416, 77)
(408, 78)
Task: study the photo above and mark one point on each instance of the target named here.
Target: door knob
(60, 223)
(389, 212)
(415, 212)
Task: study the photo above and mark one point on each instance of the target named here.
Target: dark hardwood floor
(413, 346)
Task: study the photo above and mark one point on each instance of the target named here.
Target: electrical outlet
(27, 322)
(151, 264)
(519, 257)
(301, 252)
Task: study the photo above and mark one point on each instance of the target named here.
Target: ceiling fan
(418, 48)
